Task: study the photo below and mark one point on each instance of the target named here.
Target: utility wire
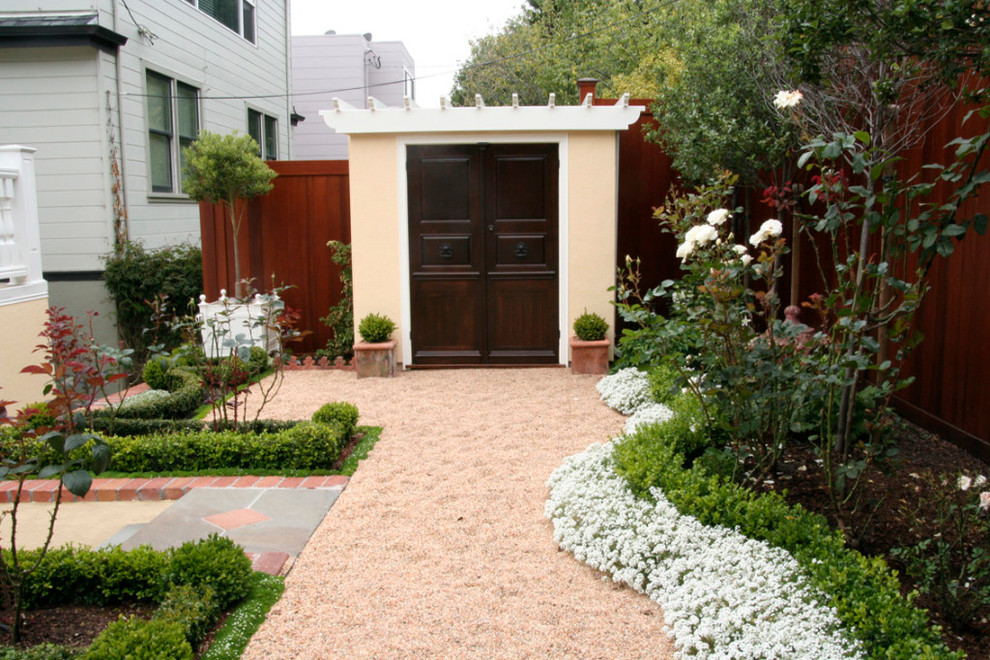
(478, 65)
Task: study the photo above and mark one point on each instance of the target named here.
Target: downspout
(288, 81)
(120, 130)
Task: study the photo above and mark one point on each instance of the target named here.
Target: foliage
(195, 608)
(953, 565)
(154, 372)
(376, 328)
(339, 413)
(306, 445)
(340, 318)
(712, 110)
(132, 427)
(151, 289)
(138, 639)
(590, 327)
(44, 651)
(216, 562)
(71, 574)
(750, 384)
(184, 394)
(552, 44)
(226, 169)
(233, 637)
(230, 369)
(78, 370)
(863, 591)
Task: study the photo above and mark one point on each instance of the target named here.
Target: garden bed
(919, 452)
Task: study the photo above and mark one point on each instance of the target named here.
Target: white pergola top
(379, 118)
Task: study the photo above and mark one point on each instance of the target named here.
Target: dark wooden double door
(483, 254)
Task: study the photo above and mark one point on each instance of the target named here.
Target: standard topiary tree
(225, 169)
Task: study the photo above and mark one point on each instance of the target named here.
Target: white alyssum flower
(788, 99)
(627, 390)
(717, 217)
(723, 595)
(964, 482)
(649, 413)
(769, 229)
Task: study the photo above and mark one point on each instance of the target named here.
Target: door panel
(483, 254)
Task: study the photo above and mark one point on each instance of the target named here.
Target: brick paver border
(159, 488)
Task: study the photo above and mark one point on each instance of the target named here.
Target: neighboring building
(350, 67)
(106, 91)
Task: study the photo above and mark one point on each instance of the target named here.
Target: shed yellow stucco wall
(22, 321)
(587, 224)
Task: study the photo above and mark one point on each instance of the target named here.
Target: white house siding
(51, 101)
(192, 47)
(328, 66)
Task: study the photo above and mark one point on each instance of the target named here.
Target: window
(173, 124)
(264, 129)
(238, 15)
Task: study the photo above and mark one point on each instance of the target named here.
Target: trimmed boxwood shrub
(304, 446)
(216, 562)
(72, 574)
(131, 427)
(346, 414)
(186, 394)
(139, 639)
(194, 608)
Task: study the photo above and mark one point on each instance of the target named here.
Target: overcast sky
(435, 32)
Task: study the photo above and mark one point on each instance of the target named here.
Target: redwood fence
(284, 239)
(310, 206)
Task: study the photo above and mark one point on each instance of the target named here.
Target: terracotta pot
(589, 357)
(375, 360)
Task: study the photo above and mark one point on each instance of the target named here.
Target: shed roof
(378, 118)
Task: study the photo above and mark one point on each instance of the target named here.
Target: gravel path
(438, 547)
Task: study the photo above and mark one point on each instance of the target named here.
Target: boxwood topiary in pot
(376, 328)
(375, 354)
(590, 327)
(589, 348)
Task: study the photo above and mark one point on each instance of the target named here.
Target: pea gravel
(438, 547)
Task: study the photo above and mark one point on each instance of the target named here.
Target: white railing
(20, 236)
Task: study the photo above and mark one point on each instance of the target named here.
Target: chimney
(586, 86)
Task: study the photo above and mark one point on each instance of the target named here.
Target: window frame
(246, 28)
(174, 133)
(266, 138)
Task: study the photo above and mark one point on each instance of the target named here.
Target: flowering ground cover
(697, 572)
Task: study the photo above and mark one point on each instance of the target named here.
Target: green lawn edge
(233, 637)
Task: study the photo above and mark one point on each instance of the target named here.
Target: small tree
(226, 169)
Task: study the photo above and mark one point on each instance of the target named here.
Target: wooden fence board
(285, 235)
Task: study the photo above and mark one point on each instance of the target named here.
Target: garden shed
(483, 231)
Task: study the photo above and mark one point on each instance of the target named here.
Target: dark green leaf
(77, 482)
(50, 471)
(76, 440)
(101, 457)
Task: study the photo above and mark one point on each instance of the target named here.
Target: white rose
(718, 217)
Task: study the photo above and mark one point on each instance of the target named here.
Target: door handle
(491, 227)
